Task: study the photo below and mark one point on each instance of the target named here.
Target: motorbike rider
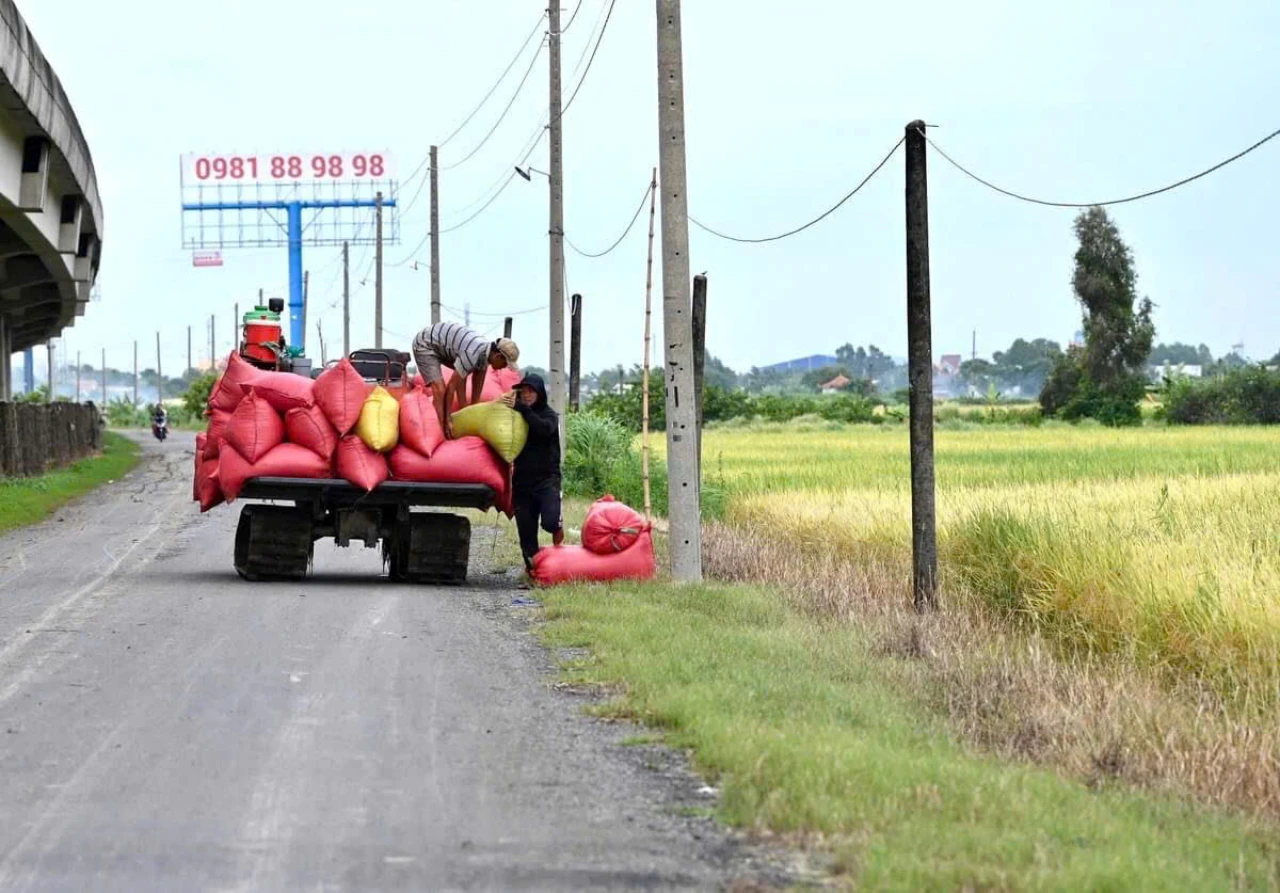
(159, 417)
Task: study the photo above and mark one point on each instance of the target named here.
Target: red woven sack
(195, 475)
(564, 564)
(255, 427)
(287, 460)
(208, 490)
(467, 460)
(611, 526)
(407, 465)
(362, 466)
(229, 390)
(341, 392)
(216, 432)
(419, 425)
(284, 390)
(310, 428)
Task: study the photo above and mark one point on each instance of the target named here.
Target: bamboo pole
(648, 313)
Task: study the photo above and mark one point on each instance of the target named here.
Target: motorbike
(160, 429)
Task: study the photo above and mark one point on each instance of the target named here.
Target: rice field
(1156, 545)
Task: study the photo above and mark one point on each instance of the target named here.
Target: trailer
(276, 540)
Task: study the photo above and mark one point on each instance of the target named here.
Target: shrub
(1249, 395)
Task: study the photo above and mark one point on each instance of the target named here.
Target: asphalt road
(166, 726)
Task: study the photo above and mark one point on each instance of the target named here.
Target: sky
(787, 107)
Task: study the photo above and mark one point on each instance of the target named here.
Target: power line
(618, 241)
(501, 117)
(825, 214)
(1116, 201)
(587, 71)
(497, 83)
(565, 29)
(483, 208)
(535, 309)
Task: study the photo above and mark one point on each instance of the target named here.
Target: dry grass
(1011, 692)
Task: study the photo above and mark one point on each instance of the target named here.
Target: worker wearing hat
(468, 354)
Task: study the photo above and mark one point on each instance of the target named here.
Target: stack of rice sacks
(277, 424)
(617, 544)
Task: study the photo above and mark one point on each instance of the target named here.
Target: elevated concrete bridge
(50, 211)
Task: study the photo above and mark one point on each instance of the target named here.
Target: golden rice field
(1158, 545)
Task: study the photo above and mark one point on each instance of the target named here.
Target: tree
(1179, 354)
(716, 374)
(815, 378)
(1109, 381)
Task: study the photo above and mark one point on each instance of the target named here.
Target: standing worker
(467, 354)
(535, 480)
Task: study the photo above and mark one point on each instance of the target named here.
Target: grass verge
(802, 724)
(29, 500)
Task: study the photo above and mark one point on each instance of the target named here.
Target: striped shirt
(454, 345)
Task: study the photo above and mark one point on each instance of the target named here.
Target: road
(166, 726)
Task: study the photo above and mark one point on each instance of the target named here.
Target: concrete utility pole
(346, 301)
(236, 324)
(377, 280)
(699, 326)
(575, 350)
(104, 377)
(684, 494)
(159, 373)
(556, 229)
(306, 283)
(77, 376)
(435, 238)
(135, 373)
(924, 545)
(189, 347)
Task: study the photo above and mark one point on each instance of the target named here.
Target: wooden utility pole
(575, 350)
(377, 280)
(77, 376)
(104, 378)
(644, 380)
(135, 373)
(506, 327)
(435, 239)
(159, 373)
(346, 300)
(556, 229)
(698, 324)
(924, 545)
(684, 497)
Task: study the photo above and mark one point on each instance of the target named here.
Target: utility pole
(698, 324)
(159, 373)
(48, 398)
(924, 545)
(506, 327)
(188, 347)
(575, 350)
(213, 339)
(135, 373)
(644, 380)
(320, 333)
(974, 354)
(466, 314)
(235, 327)
(77, 376)
(104, 377)
(346, 300)
(556, 228)
(684, 499)
(377, 281)
(435, 239)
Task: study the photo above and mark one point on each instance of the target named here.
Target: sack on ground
(310, 428)
(362, 466)
(340, 391)
(379, 424)
(229, 389)
(284, 390)
(611, 526)
(565, 564)
(287, 460)
(419, 425)
(501, 427)
(255, 427)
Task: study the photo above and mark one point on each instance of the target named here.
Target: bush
(1246, 396)
(196, 398)
(121, 413)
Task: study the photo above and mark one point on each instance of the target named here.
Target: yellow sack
(502, 428)
(379, 424)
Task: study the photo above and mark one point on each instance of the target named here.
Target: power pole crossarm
(684, 497)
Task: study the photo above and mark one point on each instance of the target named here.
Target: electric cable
(501, 117)
(825, 214)
(644, 198)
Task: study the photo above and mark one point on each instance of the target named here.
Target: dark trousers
(540, 502)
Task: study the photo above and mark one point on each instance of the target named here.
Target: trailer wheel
(273, 543)
(431, 548)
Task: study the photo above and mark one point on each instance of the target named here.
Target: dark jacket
(539, 461)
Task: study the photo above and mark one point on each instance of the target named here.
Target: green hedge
(1249, 395)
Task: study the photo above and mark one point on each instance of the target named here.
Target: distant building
(1077, 340)
(804, 364)
(837, 384)
(948, 365)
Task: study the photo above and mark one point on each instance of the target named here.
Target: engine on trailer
(262, 341)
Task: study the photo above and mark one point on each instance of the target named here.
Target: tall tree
(1117, 329)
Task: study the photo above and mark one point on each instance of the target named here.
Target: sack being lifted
(498, 425)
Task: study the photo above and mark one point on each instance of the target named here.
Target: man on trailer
(468, 354)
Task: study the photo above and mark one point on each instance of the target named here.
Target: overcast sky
(787, 107)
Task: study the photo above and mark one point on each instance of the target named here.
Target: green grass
(29, 500)
(806, 730)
